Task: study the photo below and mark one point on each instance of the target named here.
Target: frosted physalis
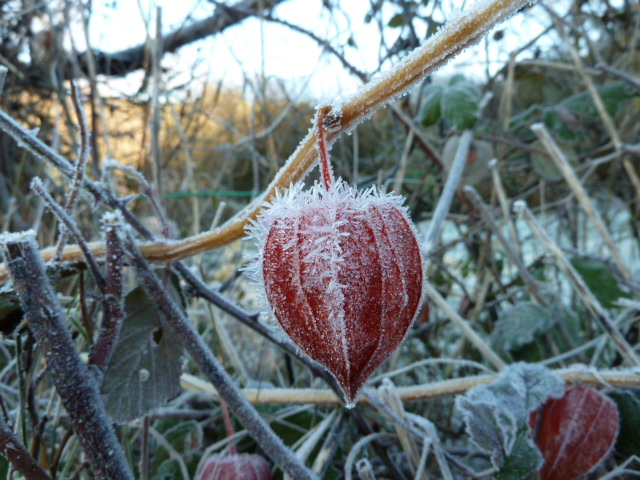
(341, 270)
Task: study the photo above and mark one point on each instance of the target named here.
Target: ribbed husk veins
(342, 273)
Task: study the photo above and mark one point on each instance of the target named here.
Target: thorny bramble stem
(201, 354)
(74, 383)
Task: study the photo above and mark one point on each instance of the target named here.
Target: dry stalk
(581, 194)
(444, 388)
(468, 332)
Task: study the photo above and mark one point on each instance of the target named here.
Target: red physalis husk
(575, 432)
(342, 273)
(234, 467)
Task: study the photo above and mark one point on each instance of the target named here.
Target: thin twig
(156, 153)
(81, 164)
(633, 81)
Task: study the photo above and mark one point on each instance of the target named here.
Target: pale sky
(253, 47)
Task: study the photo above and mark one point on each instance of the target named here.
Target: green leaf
(460, 105)
(4, 467)
(145, 369)
(524, 459)
(629, 408)
(520, 325)
(431, 112)
(396, 21)
(456, 79)
(602, 283)
(168, 470)
(613, 95)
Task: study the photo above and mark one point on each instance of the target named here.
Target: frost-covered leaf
(431, 111)
(519, 325)
(144, 372)
(497, 416)
(576, 432)
(602, 283)
(460, 105)
(629, 408)
(522, 461)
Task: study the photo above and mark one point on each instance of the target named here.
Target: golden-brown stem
(444, 388)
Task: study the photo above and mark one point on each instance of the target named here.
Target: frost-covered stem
(19, 456)
(113, 294)
(204, 358)
(380, 447)
(81, 164)
(628, 378)
(150, 192)
(449, 190)
(70, 225)
(591, 302)
(202, 290)
(323, 154)
(74, 383)
(581, 194)
(505, 206)
(403, 420)
(467, 331)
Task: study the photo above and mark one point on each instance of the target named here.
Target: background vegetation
(208, 150)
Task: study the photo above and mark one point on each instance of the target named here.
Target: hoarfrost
(497, 415)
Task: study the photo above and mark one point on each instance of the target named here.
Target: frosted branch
(74, 383)
(629, 378)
